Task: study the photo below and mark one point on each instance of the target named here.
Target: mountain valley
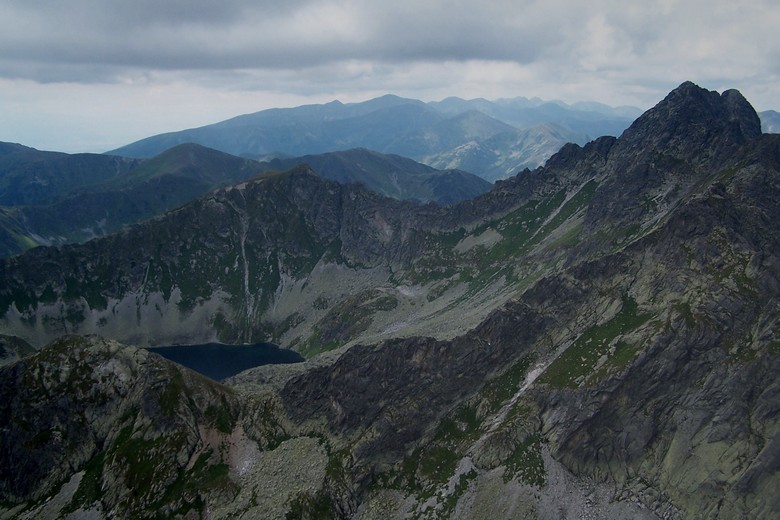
(598, 336)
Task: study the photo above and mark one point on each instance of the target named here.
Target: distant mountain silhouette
(512, 134)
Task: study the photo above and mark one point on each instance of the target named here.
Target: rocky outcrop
(95, 429)
(132, 433)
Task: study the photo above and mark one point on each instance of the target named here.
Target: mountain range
(49, 198)
(770, 121)
(597, 337)
(492, 139)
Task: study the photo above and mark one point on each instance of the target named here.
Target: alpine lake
(220, 361)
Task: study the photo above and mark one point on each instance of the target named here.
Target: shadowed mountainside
(54, 198)
(390, 175)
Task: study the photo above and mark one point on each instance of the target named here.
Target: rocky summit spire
(691, 119)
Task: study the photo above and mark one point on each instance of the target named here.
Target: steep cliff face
(603, 336)
(694, 410)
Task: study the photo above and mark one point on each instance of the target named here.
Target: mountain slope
(114, 193)
(599, 336)
(30, 177)
(648, 369)
(144, 189)
(309, 129)
(583, 118)
(652, 368)
(148, 437)
(390, 175)
(8, 148)
(504, 154)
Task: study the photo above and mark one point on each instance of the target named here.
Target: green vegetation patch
(577, 365)
(520, 231)
(269, 432)
(431, 466)
(684, 310)
(158, 487)
(437, 463)
(90, 488)
(424, 471)
(315, 345)
(347, 319)
(141, 457)
(451, 501)
(221, 417)
(173, 393)
(306, 506)
(439, 261)
(525, 462)
(575, 204)
(520, 226)
(463, 425)
(502, 388)
(189, 486)
(743, 355)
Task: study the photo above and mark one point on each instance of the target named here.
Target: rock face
(602, 337)
(134, 427)
(12, 349)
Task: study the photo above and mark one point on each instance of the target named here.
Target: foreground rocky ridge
(621, 364)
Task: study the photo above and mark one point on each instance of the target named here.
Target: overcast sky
(91, 75)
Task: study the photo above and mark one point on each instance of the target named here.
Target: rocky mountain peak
(693, 118)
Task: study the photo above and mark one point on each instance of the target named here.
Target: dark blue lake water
(219, 361)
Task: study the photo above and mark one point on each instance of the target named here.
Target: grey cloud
(240, 34)
(305, 45)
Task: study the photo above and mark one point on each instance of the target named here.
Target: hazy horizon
(80, 76)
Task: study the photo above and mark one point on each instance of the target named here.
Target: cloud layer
(614, 52)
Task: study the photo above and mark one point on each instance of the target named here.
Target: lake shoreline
(219, 361)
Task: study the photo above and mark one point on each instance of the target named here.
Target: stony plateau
(599, 337)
